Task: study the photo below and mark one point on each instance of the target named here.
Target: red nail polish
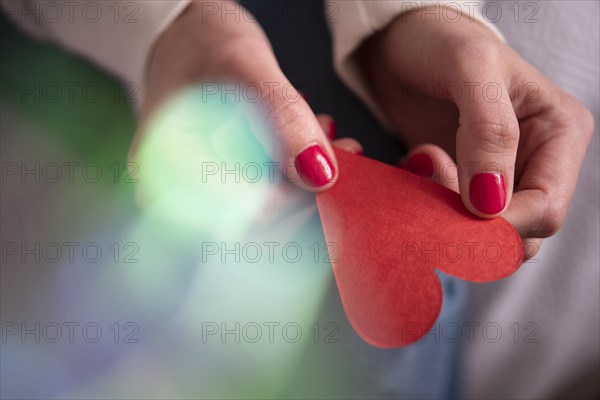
(332, 132)
(488, 193)
(420, 164)
(315, 167)
(303, 96)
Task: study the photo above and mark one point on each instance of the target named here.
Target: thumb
(486, 149)
(289, 132)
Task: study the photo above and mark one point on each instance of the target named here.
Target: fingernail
(488, 193)
(303, 96)
(332, 132)
(420, 164)
(359, 152)
(314, 166)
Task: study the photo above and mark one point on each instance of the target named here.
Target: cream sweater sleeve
(116, 35)
(353, 21)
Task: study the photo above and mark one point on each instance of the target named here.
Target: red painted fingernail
(488, 193)
(303, 96)
(420, 164)
(359, 152)
(332, 132)
(315, 167)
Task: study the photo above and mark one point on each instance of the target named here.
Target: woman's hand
(518, 139)
(234, 55)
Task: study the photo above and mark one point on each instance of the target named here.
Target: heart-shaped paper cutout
(390, 229)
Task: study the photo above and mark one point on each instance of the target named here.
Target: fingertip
(487, 194)
(332, 130)
(328, 125)
(432, 162)
(530, 248)
(349, 145)
(419, 163)
(316, 168)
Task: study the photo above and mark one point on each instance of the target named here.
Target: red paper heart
(391, 229)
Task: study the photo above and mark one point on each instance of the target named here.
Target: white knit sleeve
(116, 35)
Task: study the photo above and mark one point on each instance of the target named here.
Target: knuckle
(479, 51)
(552, 219)
(496, 136)
(573, 114)
(282, 114)
(587, 121)
(233, 59)
(232, 52)
(531, 248)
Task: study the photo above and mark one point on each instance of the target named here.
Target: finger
(464, 64)
(328, 125)
(531, 248)
(472, 77)
(486, 145)
(542, 196)
(286, 126)
(549, 159)
(349, 145)
(431, 161)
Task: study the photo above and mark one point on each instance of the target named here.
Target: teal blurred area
(102, 299)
